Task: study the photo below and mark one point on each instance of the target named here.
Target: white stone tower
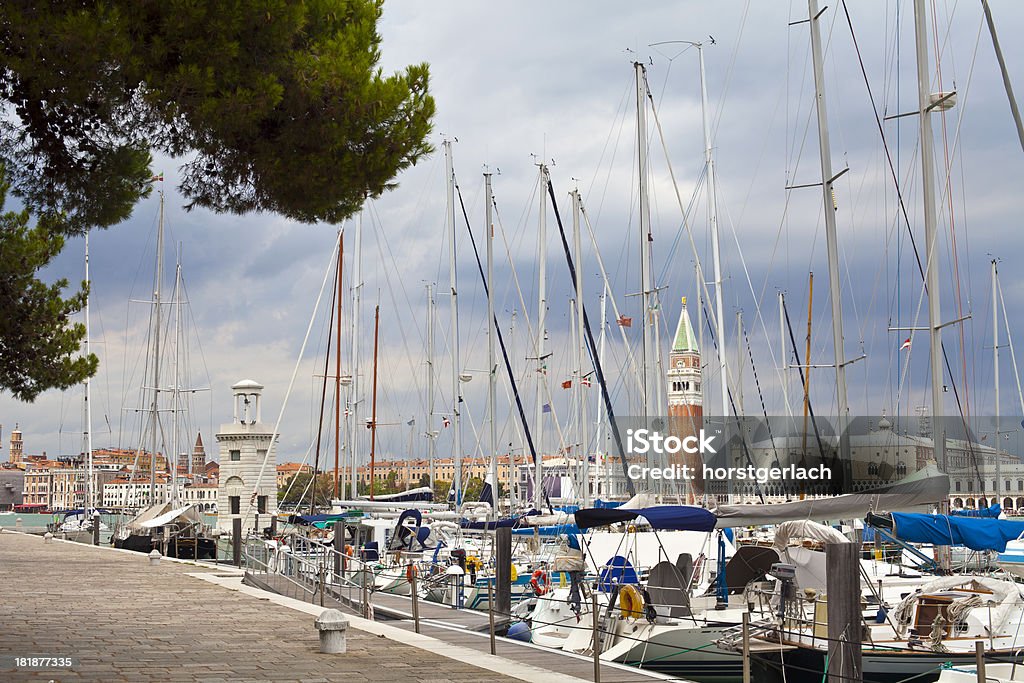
(244, 443)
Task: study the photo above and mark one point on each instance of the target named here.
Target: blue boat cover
(674, 517)
(974, 532)
(79, 511)
(616, 571)
(558, 530)
(993, 511)
(500, 524)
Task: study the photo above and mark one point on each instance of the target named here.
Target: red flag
(446, 422)
(567, 384)
(906, 344)
(624, 321)
(157, 178)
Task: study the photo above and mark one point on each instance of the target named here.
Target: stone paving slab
(123, 620)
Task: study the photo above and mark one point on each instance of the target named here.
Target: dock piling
(236, 541)
(842, 561)
(503, 572)
(979, 659)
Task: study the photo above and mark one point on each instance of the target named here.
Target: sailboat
(174, 529)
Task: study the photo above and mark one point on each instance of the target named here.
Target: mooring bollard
(47, 537)
(154, 557)
(17, 524)
(332, 625)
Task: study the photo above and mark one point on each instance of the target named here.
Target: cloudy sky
(519, 83)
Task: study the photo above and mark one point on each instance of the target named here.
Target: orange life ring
(410, 572)
(349, 550)
(540, 582)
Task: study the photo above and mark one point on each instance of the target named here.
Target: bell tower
(16, 455)
(685, 403)
(244, 443)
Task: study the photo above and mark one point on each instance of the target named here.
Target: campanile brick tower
(685, 403)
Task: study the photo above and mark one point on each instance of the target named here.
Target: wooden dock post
(236, 541)
(273, 526)
(95, 528)
(842, 561)
(979, 659)
(746, 647)
(503, 572)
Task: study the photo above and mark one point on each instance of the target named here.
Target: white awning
(165, 518)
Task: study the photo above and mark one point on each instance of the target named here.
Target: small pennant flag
(446, 422)
(157, 178)
(906, 344)
(567, 384)
(624, 321)
(585, 381)
(546, 408)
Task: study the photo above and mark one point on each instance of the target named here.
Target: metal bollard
(154, 557)
(47, 537)
(332, 625)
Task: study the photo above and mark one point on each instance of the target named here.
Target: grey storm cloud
(524, 82)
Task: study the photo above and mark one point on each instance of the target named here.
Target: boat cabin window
(236, 504)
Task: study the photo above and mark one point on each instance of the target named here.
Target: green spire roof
(685, 339)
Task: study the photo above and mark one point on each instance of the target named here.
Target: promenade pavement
(119, 619)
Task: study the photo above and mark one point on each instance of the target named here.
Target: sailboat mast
(716, 253)
(431, 437)
(645, 234)
(154, 417)
(453, 281)
(337, 371)
(373, 407)
(581, 351)
(831, 239)
(930, 233)
(176, 390)
(542, 312)
(783, 366)
(354, 401)
(91, 485)
(995, 370)
(492, 362)
(599, 449)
